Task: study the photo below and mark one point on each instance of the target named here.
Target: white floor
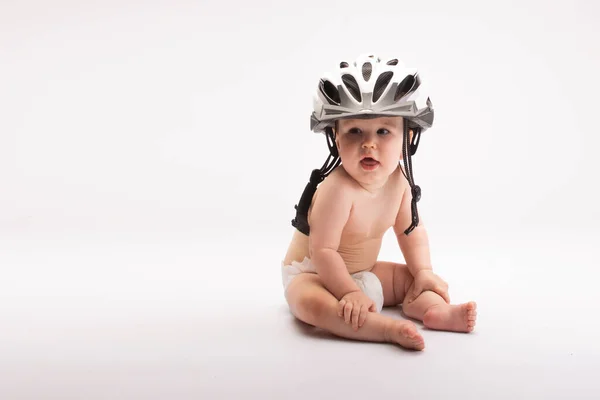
(126, 316)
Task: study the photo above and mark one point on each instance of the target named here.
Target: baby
(372, 113)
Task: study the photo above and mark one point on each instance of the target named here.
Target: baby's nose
(368, 143)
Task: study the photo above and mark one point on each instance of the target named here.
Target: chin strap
(316, 177)
(414, 189)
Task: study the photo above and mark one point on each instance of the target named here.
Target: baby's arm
(329, 215)
(415, 248)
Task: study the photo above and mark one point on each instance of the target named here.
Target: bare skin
(350, 213)
(311, 303)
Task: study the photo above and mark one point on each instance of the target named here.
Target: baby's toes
(409, 330)
(470, 315)
(470, 310)
(407, 335)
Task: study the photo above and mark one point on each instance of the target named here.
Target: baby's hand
(353, 307)
(427, 280)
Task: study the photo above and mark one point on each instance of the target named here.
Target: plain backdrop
(151, 154)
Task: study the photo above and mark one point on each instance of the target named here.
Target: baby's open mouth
(369, 164)
(369, 161)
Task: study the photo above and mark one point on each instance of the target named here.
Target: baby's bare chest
(371, 218)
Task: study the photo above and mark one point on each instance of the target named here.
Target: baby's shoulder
(337, 187)
(339, 183)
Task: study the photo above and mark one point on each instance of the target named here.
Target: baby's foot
(405, 334)
(456, 318)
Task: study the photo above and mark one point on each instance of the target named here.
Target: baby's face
(370, 148)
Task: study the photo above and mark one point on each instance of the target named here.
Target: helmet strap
(407, 158)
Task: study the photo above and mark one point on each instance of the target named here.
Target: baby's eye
(354, 131)
(383, 131)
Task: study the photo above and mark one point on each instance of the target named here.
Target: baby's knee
(310, 307)
(403, 282)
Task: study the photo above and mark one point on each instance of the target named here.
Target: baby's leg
(429, 307)
(435, 313)
(310, 302)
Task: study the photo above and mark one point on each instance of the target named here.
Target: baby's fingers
(444, 294)
(340, 309)
(347, 312)
(363, 316)
(358, 310)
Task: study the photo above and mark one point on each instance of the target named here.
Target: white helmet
(371, 88)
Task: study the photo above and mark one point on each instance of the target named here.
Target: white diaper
(367, 281)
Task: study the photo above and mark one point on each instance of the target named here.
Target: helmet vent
(330, 92)
(367, 68)
(344, 64)
(381, 84)
(352, 86)
(408, 85)
(393, 61)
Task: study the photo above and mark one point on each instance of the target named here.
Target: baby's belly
(358, 256)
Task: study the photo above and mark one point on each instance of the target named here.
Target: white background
(151, 154)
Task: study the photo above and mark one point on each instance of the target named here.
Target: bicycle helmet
(371, 88)
(368, 88)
